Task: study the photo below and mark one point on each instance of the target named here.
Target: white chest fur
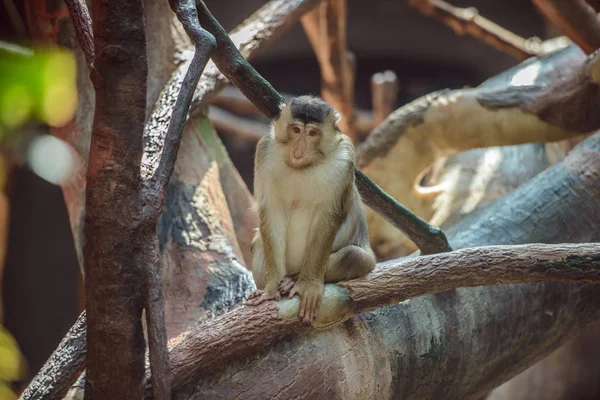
(300, 197)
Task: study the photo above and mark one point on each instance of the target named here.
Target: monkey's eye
(295, 129)
(312, 133)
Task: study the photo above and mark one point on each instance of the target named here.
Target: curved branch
(429, 239)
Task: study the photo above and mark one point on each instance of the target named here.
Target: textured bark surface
(50, 23)
(429, 346)
(62, 368)
(202, 266)
(114, 226)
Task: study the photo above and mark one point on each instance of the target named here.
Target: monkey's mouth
(298, 163)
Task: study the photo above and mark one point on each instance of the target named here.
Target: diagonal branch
(237, 69)
(83, 28)
(238, 332)
(576, 19)
(325, 27)
(204, 44)
(468, 20)
(429, 239)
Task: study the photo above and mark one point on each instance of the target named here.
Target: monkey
(312, 225)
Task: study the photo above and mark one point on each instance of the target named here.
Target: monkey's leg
(259, 275)
(348, 263)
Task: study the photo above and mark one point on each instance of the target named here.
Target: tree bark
(113, 272)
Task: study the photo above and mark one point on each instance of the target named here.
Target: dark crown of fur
(310, 109)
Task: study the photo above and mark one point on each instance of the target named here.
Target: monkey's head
(307, 131)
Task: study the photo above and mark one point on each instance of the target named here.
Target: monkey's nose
(298, 156)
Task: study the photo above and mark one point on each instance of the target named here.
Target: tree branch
(325, 27)
(204, 44)
(468, 20)
(470, 267)
(429, 239)
(233, 65)
(384, 93)
(83, 28)
(576, 19)
(155, 193)
(62, 368)
(229, 124)
(391, 283)
(114, 278)
(237, 69)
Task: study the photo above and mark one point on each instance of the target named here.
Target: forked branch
(204, 44)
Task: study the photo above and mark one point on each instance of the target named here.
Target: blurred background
(41, 285)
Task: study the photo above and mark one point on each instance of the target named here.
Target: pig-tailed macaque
(312, 226)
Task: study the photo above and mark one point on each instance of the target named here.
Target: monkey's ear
(337, 117)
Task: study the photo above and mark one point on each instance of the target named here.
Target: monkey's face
(304, 144)
(307, 131)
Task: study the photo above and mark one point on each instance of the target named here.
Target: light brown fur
(312, 226)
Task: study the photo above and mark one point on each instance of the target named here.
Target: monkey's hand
(311, 294)
(260, 296)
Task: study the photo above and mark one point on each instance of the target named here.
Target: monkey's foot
(286, 285)
(311, 294)
(259, 297)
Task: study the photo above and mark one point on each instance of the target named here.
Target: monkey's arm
(272, 232)
(271, 227)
